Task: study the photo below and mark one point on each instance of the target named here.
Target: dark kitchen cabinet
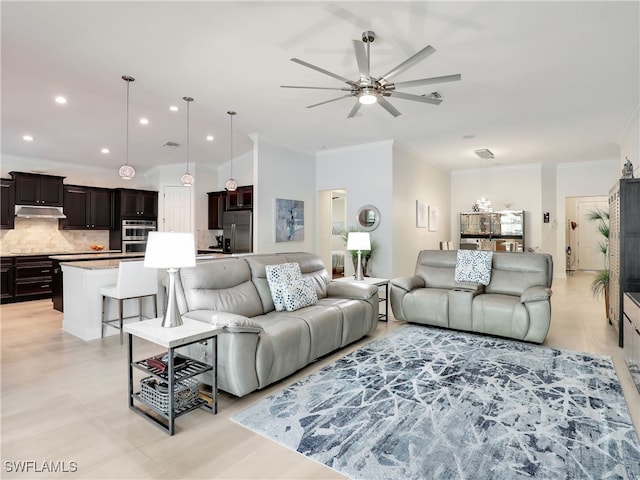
(624, 248)
(87, 208)
(7, 280)
(33, 277)
(37, 189)
(7, 204)
(217, 206)
(136, 203)
(241, 199)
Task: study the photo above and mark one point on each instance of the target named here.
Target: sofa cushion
(301, 293)
(283, 277)
(474, 266)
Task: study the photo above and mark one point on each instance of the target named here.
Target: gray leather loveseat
(260, 345)
(515, 303)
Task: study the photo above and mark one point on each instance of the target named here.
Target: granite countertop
(114, 261)
(95, 256)
(211, 250)
(635, 296)
(57, 253)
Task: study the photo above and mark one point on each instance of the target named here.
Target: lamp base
(171, 316)
(359, 275)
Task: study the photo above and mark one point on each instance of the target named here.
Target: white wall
(243, 171)
(521, 186)
(77, 174)
(365, 172)
(286, 174)
(414, 179)
(630, 142)
(579, 179)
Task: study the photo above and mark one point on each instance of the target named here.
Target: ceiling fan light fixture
(126, 171)
(368, 96)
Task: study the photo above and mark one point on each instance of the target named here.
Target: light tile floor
(65, 400)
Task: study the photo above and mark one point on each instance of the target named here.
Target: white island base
(82, 282)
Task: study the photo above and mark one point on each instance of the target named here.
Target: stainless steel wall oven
(135, 234)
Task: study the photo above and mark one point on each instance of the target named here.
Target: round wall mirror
(368, 218)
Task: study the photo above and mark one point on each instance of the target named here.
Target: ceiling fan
(368, 89)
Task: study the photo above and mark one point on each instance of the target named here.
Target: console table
(379, 282)
(176, 377)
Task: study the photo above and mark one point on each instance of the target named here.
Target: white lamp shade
(170, 250)
(358, 241)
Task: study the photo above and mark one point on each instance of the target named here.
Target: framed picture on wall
(421, 214)
(434, 218)
(289, 220)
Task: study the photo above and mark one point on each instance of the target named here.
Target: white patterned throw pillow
(474, 266)
(300, 294)
(279, 277)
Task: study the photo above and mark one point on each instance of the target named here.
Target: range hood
(33, 211)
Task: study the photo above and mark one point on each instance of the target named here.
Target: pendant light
(231, 184)
(187, 178)
(127, 172)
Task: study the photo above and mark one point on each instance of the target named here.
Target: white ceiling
(542, 82)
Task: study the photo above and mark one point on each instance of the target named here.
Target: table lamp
(359, 241)
(170, 250)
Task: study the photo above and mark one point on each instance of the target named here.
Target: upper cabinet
(87, 208)
(217, 206)
(136, 203)
(36, 189)
(7, 204)
(241, 199)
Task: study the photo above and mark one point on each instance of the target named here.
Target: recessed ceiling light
(104, 150)
(210, 138)
(173, 108)
(61, 100)
(144, 121)
(27, 138)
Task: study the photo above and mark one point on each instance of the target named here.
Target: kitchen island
(82, 281)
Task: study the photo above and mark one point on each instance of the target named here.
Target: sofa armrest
(359, 291)
(536, 294)
(408, 283)
(231, 322)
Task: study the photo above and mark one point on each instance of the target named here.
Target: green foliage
(600, 283)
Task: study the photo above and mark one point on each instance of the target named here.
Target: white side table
(191, 331)
(379, 282)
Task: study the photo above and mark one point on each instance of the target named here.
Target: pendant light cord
(127, 136)
(188, 102)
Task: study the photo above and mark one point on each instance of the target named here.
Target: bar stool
(134, 281)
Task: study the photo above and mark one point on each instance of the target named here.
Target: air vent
(484, 153)
(171, 144)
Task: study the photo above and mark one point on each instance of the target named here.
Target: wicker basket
(185, 392)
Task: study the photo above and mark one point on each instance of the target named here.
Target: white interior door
(177, 209)
(589, 237)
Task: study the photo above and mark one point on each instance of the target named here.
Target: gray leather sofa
(515, 304)
(259, 345)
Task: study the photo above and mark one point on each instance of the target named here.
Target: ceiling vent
(171, 144)
(484, 153)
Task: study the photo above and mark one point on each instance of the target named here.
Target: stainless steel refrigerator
(237, 232)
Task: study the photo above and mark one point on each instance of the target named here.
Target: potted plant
(600, 284)
(367, 255)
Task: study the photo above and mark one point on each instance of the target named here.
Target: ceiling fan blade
(329, 101)
(388, 107)
(361, 58)
(429, 81)
(322, 70)
(344, 89)
(417, 98)
(410, 62)
(354, 110)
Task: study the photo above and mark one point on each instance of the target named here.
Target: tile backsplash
(41, 235)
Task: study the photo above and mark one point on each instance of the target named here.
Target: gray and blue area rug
(424, 403)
